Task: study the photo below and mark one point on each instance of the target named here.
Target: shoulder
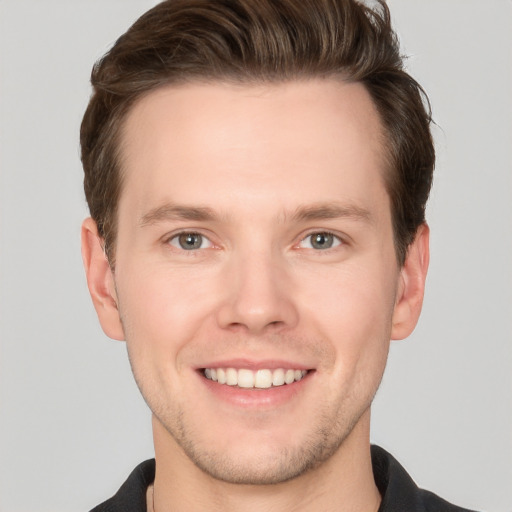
(131, 496)
(399, 491)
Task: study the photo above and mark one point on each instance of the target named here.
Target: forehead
(279, 142)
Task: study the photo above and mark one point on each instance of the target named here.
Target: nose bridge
(258, 291)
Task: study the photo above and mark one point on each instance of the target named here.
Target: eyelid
(166, 239)
(338, 237)
(176, 234)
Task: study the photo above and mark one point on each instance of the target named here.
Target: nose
(258, 296)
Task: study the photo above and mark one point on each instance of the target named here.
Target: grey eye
(320, 241)
(190, 241)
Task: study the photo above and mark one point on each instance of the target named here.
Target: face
(256, 281)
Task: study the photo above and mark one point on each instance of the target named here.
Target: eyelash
(177, 237)
(336, 240)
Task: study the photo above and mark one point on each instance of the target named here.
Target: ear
(411, 286)
(100, 280)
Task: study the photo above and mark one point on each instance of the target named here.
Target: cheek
(353, 298)
(353, 312)
(162, 311)
(161, 314)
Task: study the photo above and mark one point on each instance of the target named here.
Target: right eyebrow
(171, 211)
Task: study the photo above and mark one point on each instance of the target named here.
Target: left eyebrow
(332, 211)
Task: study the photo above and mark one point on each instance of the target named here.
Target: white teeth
(245, 379)
(278, 377)
(231, 377)
(289, 376)
(221, 376)
(262, 379)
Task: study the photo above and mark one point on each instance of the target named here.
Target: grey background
(72, 423)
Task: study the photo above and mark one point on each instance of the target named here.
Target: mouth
(246, 378)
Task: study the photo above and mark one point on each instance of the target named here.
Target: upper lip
(252, 364)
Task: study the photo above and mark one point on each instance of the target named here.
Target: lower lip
(255, 397)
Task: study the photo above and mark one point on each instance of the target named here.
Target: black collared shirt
(398, 490)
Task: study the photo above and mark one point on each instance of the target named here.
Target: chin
(267, 468)
(258, 457)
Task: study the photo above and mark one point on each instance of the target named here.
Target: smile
(260, 379)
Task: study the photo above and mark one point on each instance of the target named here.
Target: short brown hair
(261, 41)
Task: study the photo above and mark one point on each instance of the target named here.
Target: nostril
(256, 313)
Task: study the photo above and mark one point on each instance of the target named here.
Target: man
(257, 173)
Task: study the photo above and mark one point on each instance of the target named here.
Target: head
(264, 42)
(257, 173)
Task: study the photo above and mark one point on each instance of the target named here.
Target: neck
(343, 483)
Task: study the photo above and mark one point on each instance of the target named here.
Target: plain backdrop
(72, 423)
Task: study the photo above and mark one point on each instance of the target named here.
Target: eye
(190, 241)
(320, 241)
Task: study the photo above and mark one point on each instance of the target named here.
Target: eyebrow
(177, 212)
(324, 211)
(321, 211)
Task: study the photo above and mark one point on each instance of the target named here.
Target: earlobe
(100, 280)
(412, 286)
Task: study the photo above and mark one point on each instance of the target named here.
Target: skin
(267, 162)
